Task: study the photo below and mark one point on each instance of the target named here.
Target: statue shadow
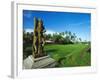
(51, 51)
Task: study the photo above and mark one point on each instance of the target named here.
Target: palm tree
(80, 39)
(74, 38)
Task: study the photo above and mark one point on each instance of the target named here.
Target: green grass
(69, 55)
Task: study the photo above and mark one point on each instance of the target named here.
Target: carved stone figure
(38, 38)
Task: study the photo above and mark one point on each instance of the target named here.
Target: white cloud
(29, 30)
(47, 31)
(50, 32)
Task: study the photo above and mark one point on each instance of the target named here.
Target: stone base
(28, 62)
(42, 62)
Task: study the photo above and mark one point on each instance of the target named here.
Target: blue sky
(78, 23)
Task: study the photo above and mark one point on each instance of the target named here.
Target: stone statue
(44, 60)
(38, 38)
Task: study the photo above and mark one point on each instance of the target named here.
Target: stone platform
(42, 62)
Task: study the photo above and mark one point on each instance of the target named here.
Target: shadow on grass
(51, 51)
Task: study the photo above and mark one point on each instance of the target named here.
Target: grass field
(69, 55)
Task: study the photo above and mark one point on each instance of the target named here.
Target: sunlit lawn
(69, 55)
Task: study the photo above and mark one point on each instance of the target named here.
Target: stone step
(44, 63)
(38, 59)
(52, 65)
(28, 62)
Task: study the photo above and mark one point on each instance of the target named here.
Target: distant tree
(48, 37)
(80, 39)
(27, 41)
(62, 33)
(74, 37)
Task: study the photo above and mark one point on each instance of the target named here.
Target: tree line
(66, 37)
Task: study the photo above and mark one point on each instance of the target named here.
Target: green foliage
(27, 44)
(63, 37)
